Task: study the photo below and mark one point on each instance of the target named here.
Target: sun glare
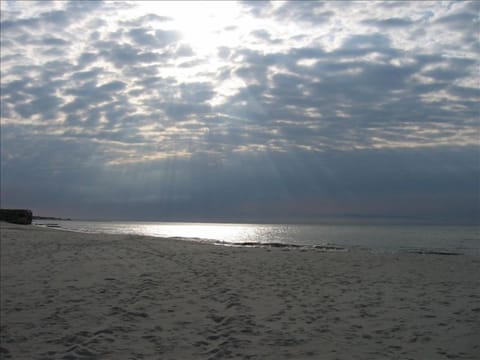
(203, 25)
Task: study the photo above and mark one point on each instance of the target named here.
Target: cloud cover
(251, 110)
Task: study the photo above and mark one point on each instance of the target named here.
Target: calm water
(391, 238)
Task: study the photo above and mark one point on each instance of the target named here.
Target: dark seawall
(16, 216)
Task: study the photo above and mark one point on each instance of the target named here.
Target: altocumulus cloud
(263, 111)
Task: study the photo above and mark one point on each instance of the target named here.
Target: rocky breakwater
(16, 216)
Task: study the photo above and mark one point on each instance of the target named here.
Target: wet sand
(68, 295)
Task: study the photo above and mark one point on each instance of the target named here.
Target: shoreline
(76, 295)
(382, 239)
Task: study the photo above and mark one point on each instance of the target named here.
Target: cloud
(146, 19)
(123, 54)
(289, 88)
(261, 34)
(53, 19)
(459, 20)
(310, 12)
(54, 41)
(257, 8)
(393, 22)
(44, 105)
(157, 39)
(372, 42)
(306, 11)
(343, 77)
(263, 186)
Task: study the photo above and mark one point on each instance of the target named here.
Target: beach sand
(68, 295)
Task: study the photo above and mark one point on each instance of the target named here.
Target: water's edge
(432, 240)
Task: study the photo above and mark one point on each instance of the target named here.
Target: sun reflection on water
(231, 233)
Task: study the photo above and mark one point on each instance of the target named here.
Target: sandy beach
(68, 295)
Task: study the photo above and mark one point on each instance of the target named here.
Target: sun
(206, 27)
(203, 25)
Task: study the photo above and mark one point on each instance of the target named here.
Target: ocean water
(377, 238)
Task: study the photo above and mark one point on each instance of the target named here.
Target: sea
(427, 239)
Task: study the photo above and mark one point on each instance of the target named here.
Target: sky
(242, 111)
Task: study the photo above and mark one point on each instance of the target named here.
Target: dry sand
(75, 296)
